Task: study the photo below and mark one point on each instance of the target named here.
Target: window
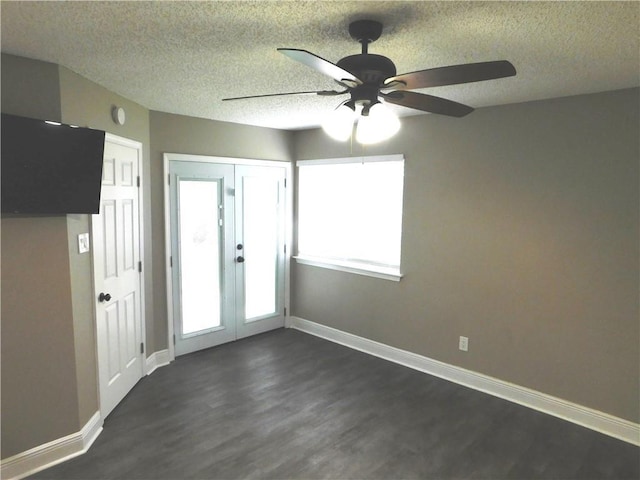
(350, 214)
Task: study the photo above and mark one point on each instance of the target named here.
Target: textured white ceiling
(184, 57)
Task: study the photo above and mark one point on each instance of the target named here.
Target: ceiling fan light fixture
(376, 124)
(339, 123)
(364, 76)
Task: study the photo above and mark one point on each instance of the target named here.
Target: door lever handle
(240, 259)
(104, 297)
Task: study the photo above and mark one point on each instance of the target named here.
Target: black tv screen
(49, 168)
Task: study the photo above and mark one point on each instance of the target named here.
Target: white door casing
(258, 176)
(117, 274)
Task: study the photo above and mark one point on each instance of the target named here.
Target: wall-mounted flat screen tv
(49, 168)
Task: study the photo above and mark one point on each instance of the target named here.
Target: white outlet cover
(464, 344)
(83, 243)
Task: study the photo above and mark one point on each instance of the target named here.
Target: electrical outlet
(464, 344)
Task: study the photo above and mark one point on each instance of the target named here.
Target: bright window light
(350, 210)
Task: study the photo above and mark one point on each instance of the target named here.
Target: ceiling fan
(369, 78)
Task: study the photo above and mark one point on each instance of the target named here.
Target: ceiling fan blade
(454, 74)
(320, 64)
(314, 92)
(427, 103)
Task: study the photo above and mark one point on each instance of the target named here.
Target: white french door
(117, 273)
(227, 230)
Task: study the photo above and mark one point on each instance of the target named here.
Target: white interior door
(227, 252)
(117, 277)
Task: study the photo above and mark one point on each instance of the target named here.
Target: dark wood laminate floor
(289, 405)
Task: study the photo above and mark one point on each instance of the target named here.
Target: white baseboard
(62, 449)
(156, 360)
(50, 454)
(572, 412)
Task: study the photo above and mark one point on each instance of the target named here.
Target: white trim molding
(156, 360)
(65, 448)
(52, 453)
(367, 269)
(383, 193)
(572, 412)
(394, 157)
(183, 157)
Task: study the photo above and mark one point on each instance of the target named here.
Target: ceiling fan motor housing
(372, 70)
(368, 67)
(363, 76)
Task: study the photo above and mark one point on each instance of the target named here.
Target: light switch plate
(83, 243)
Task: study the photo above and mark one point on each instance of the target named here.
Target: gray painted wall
(520, 231)
(49, 376)
(39, 384)
(63, 355)
(30, 88)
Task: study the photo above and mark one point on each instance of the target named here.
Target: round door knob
(240, 259)
(104, 297)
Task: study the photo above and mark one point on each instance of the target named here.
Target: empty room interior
(302, 240)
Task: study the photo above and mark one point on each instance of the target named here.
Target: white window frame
(361, 268)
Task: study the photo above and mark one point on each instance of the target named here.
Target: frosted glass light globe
(379, 125)
(339, 123)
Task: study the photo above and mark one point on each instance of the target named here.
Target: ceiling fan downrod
(370, 68)
(369, 78)
(365, 32)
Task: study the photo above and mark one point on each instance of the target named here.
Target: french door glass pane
(260, 232)
(200, 251)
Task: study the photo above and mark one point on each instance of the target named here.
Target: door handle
(240, 259)
(104, 297)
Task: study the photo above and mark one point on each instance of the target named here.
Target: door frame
(126, 142)
(288, 218)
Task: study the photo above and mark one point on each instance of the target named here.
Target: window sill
(385, 273)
